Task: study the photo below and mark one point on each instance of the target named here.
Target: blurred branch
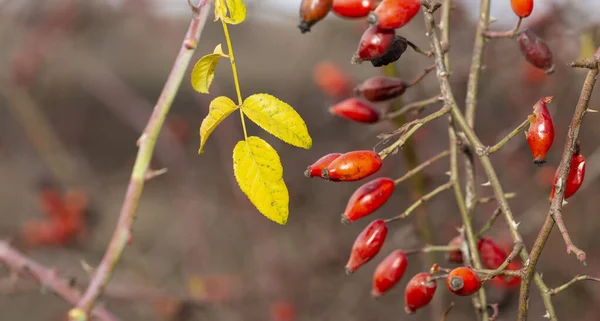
(147, 143)
(420, 202)
(555, 212)
(576, 279)
(46, 278)
(420, 167)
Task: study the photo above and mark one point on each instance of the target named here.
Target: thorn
(87, 268)
(448, 173)
(515, 225)
(150, 174)
(141, 140)
(591, 110)
(493, 19)
(486, 184)
(547, 315)
(564, 203)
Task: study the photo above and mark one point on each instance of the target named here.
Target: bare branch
(576, 279)
(422, 166)
(420, 201)
(504, 34)
(416, 106)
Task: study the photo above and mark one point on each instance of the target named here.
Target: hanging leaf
(237, 11)
(277, 118)
(204, 70)
(258, 171)
(219, 109)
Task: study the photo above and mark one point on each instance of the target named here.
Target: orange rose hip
(353, 166)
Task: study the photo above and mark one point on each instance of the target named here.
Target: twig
(46, 278)
(433, 248)
(421, 166)
(146, 147)
(506, 139)
(576, 279)
(422, 75)
(514, 273)
(419, 50)
(442, 75)
(504, 34)
(420, 201)
(555, 212)
(445, 315)
(418, 106)
(490, 222)
(489, 199)
(416, 124)
(516, 250)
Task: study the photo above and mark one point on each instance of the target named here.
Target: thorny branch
(555, 211)
(47, 279)
(146, 143)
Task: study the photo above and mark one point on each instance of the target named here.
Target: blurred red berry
(332, 79)
(380, 88)
(355, 109)
(456, 255)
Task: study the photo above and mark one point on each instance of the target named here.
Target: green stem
(235, 76)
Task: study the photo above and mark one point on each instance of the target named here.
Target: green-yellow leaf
(277, 118)
(258, 171)
(219, 109)
(204, 70)
(237, 11)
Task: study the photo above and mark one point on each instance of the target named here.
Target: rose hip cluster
(379, 44)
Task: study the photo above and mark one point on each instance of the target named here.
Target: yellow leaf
(277, 118)
(258, 171)
(204, 70)
(219, 109)
(237, 11)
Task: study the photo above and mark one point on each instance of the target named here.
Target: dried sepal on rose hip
(419, 292)
(357, 110)
(463, 281)
(389, 272)
(367, 245)
(316, 168)
(536, 51)
(368, 198)
(540, 134)
(313, 11)
(353, 8)
(574, 178)
(381, 88)
(393, 14)
(353, 166)
(522, 8)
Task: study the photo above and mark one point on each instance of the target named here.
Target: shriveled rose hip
(380, 88)
(419, 292)
(353, 166)
(463, 281)
(522, 8)
(353, 8)
(393, 53)
(574, 178)
(541, 131)
(393, 14)
(536, 51)
(389, 272)
(316, 168)
(368, 198)
(456, 255)
(367, 245)
(373, 44)
(313, 11)
(355, 109)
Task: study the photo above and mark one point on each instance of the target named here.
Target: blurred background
(78, 80)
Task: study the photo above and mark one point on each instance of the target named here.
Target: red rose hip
(389, 272)
(353, 166)
(522, 8)
(541, 131)
(353, 8)
(536, 51)
(355, 109)
(368, 198)
(367, 245)
(463, 281)
(574, 178)
(316, 168)
(393, 14)
(313, 11)
(456, 255)
(419, 292)
(377, 89)
(373, 44)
